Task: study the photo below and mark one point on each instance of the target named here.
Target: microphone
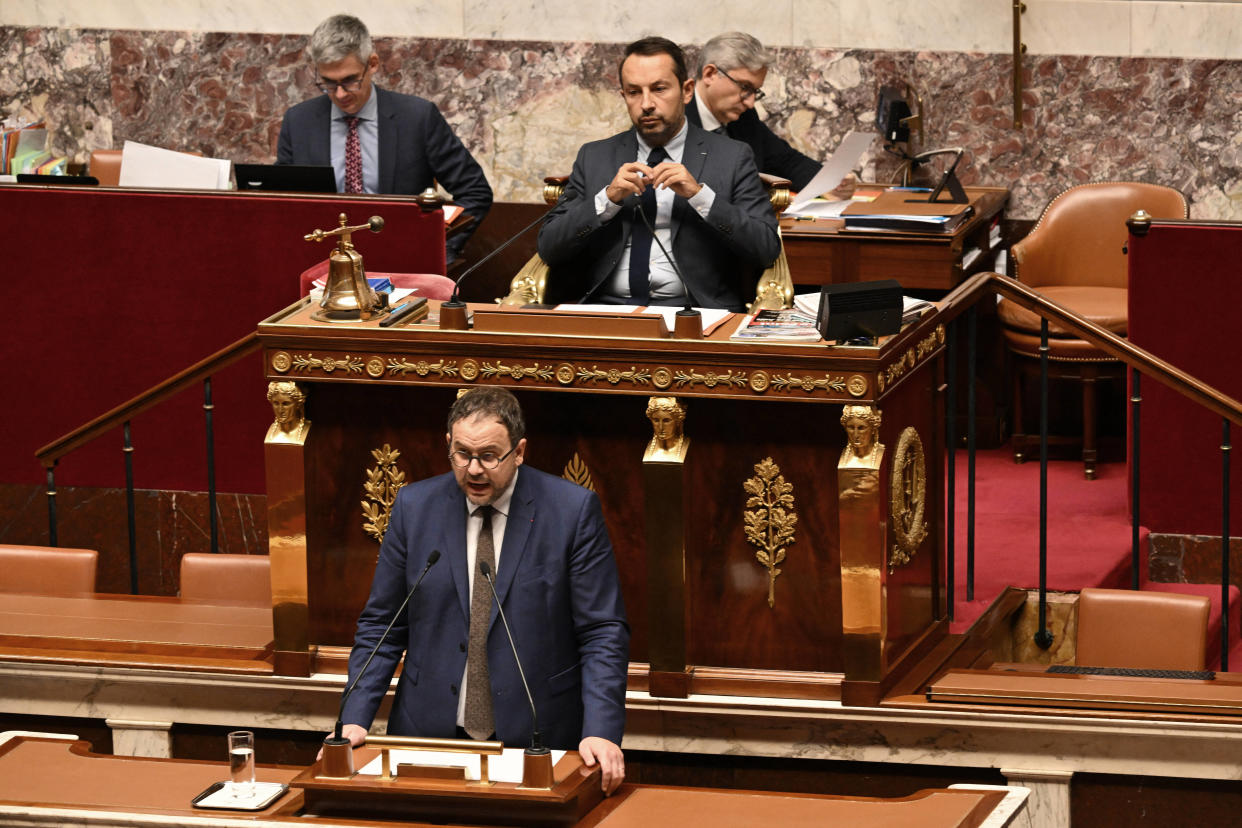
(453, 301)
(336, 738)
(536, 738)
(688, 313)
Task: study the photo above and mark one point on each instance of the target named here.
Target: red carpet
(1088, 536)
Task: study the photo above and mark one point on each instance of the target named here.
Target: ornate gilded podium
(767, 544)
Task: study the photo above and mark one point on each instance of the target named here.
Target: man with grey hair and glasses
(377, 141)
(732, 69)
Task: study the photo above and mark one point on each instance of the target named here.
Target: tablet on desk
(290, 178)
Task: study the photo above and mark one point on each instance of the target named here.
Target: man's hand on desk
(356, 734)
(594, 749)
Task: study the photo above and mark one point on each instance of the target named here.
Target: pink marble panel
(515, 103)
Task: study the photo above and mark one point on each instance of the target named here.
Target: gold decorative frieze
(594, 374)
(793, 382)
(515, 371)
(733, 379)
(912, 356)
(384, 480)
(567, 374)
(576, 471)
(309, 362)
(439, 368)
(770, 519)
(907, 498)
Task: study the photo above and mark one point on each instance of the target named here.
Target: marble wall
(1166, 110)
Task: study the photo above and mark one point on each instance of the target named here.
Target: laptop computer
(294, 178)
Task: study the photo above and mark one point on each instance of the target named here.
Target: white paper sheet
(507, 767)
(146, 166)
(838, 165)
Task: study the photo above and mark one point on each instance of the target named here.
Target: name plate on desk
(569, 323)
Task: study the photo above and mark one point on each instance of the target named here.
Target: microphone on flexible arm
(537, 766)
(455, 319)
(338, 757)
(689, 322)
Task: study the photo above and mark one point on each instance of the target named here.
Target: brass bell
(347, 297)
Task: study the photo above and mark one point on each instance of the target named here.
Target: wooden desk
(821, 253)
(585, 399)
(1221, 696)
(136, 630)
(56, 778)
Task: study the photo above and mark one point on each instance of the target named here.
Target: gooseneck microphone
(536, 738)
(453, 300)
(336, 737)
(688, 310)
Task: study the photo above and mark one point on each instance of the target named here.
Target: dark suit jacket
(557, 581)
(416, 148)
(773, 154)
(720, 258)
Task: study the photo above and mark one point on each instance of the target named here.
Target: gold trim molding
(569, 374)
(911, 357)
(907, 498)
(770, 519)
(384, 480)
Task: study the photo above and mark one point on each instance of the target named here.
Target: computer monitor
(290, 178)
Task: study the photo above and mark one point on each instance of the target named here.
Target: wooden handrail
(967, 294)
(58, 448)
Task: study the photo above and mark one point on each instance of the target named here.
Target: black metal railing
(963, 301)
(122, 416)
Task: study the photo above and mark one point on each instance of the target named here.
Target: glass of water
(241, 764)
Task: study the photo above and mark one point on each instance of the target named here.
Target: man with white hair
(732, 69)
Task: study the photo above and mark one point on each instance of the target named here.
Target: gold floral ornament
(576, 471)
(383, 483)
(770, 519)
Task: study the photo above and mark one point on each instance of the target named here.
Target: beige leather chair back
(222, 577)
(1080, 236)
(47, 570)
(1144, 630)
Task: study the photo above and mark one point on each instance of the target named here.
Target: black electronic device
(288, 178)
(58, 180)
(859, 309)
(891, 114)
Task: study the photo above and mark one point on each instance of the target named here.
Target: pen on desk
(403, 311)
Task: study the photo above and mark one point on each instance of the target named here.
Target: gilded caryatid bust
(863, 449)
(668, 440)
(289, 407)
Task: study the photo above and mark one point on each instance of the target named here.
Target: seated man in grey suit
(378, 143)
(732, 69)
(701, 193)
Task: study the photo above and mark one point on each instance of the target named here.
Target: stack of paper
(791, 325)
(146, 166)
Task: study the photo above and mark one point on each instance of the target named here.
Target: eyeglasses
(746, 89)
(349, 84)
(488, 459)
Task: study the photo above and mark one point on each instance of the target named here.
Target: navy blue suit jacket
(720, 257)
(557, 580)
(416, 148)
(773, 154)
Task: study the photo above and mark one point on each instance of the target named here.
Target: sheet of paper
(820, 209)
(838, 165)
(506, 767)
(580, 308)
(711, 316)
(146, 166)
